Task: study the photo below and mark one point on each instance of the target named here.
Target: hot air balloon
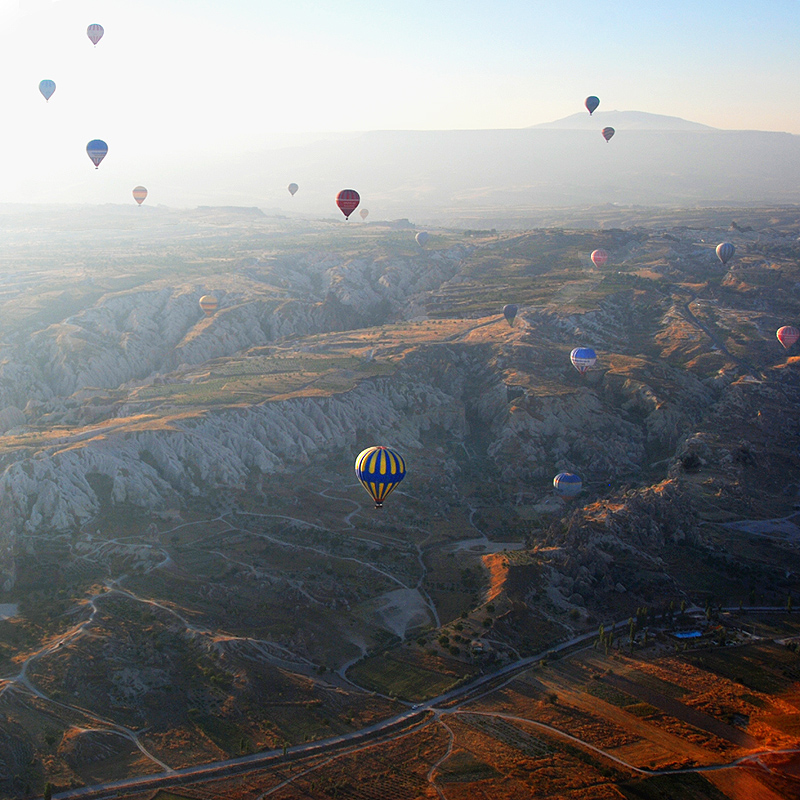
(380, 470)
(347, 200)
(510, 312)
(209, 304)
(47, 88)
(293, 187)
(608, 133)
(95, 33)
(422, 237)
(788, 335)
(566, 484)
(97, 150)
(725, 251)
(599, 258)
(364, 213)
(139, 194)
(591, 103)
(582, 358)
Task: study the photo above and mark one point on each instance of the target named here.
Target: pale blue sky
(195, 75)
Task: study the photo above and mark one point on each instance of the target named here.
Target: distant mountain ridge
(627, 120)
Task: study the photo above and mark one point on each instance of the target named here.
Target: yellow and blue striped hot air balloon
(380, 470)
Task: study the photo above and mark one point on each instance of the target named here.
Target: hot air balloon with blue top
(591, 104)
(582, 358)
(565, 484)
(380, 470)
(97, 150)
(510, 313)
(47, 88)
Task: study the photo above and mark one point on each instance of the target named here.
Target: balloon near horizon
(348, 200)
(380, 470)
(591, 104)
(139, 194)
(608, 133)
(292, 187)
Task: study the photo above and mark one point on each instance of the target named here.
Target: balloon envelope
(95, 33)
(510, 312)
(566, 484)
(608, 133)
(364, 213)
(293, 187)
(97, 149)
(139, 194)
(599, 258)
(422, 237)
(591, 103)
(348, 200)
(209, 304)
(725, 251)
(47, 88)
(582, 358)
(380, 470)
(788, 335)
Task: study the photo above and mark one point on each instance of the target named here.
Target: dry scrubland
(192, 574)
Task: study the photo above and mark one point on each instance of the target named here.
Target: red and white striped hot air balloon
(599, 258)
(209, 304)
(788, 335)
(348, 200)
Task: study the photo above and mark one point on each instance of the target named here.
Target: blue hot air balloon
(582, 358)
(47, 88)
(725, 251)
(97, 150)
(422, 238)
(566, 484)
(510, 312)
(591, 103)
(380, 470)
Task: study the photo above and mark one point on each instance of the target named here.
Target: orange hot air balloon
(139, 194)
(788, 335)
(348, 200)
(209, 304)
(599, 258)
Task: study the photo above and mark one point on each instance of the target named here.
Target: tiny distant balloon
(293, 187)
(582, 358)
(608, 133)
(97, 149)
(380, 470)
(348, 200)
(591, 104)
(725, 251)
(95, 33)
(364, 213)
(209, 304)
(139, 194)
(788, 335)
(599, 258)
(422, 238)
(566, 484)
(510, 313)
(47, 88)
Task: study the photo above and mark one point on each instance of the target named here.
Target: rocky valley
(190, 571)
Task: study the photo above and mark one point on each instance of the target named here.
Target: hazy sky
(176, 77)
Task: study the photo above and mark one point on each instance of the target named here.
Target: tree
(48, 791)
